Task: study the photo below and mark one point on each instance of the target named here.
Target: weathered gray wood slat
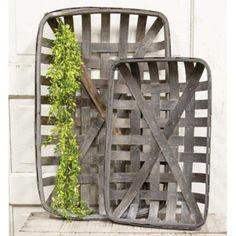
(146, 140)
(78, 99)
(159, 177)
(45, 120)
(47, 181)
(134, 158)
(133, 209)
(183, 156)
(92, 178)
(125, 156)
(153, 211)
(88, 178)
(172, 79)
(49, 199)
(92, 62)
(153, 195)
(149, 37)
(104, 57)
(164, 105)
(89, 137)
(154, 78)
(48, 43)
(46, 58)
(192, 157)
(122, 50)
(131, 104)
(123, 38)
(50, 160)
(85, 125)
(188, 145)
(174, 141)
(53, 23)
(130, 47)
(86, 140)
(141, 27)
(108, 47)
(122, 53)
(101, 150)
(146, 86)
(69, 21)
(105, 37)
(86, 36)
(172, 123)
(184, 122)
(140, 34)
(155, 172)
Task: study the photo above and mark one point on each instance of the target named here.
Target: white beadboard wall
(197, 29)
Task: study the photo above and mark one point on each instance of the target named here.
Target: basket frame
(40, 42)
(116, 215)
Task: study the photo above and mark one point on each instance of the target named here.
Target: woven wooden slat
(135, 116)
(85, 110)
(182, 201)
(105, 38)
(188, 144)
(155, 172)
(91, 104)
(149, 37)
(69, 21)
(107, 47)
(172, 187)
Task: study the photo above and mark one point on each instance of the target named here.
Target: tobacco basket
(105, 34)
(168, 123)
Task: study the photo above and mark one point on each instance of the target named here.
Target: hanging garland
(65, 74)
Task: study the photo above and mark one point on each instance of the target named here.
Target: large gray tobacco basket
(143, 124)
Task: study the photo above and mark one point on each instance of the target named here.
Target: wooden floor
(40, 224)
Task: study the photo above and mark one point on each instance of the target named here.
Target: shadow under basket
(168, 124)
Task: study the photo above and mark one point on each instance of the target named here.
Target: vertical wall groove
(192, 5)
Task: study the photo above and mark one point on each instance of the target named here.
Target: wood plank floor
(40, 224)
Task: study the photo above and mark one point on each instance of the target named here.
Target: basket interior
(159, 200)
(105, 34)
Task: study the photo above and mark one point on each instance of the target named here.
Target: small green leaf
(65, 74)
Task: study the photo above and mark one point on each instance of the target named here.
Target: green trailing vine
(65, 74)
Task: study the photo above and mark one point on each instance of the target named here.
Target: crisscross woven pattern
(167, 124)
(105, 34)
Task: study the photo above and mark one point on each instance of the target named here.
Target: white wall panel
(178, 13)
(23, 189)
(209, 43)
(22, 135)
(21, 79)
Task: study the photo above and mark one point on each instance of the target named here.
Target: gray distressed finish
(181, 201)
(89, 120)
